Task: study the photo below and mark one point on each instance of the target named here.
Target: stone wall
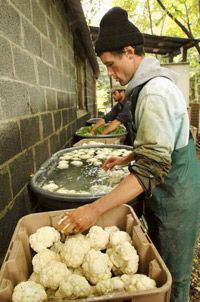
(38, 99)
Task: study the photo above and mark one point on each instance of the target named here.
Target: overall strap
(134, 98)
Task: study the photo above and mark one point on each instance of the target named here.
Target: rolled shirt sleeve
(162, 126)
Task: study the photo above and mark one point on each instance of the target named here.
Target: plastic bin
(17, 263)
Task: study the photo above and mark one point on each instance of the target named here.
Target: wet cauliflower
(29, 291)
(44, 237)
(53, 273)
(124, 258)
(98, 238)
(74, 250)
(75, 286)
(96, 266)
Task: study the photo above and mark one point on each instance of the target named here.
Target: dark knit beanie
(116, 31)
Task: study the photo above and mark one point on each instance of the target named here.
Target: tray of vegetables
(85, 132)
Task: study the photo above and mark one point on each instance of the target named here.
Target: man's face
(119, 66)
(118, 95)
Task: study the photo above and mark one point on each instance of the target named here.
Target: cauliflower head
(57, 247)
(29, 291)
(44, 237)
(96, 266)
(137, 282)
(98, 237)
(124, 258)
(74, 250)
(111, 229)
(53, 273)
(75, 286)
(34, 277)
(42, 258)
(119, 236)
(110, 285)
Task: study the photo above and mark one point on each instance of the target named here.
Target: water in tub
(80, 172)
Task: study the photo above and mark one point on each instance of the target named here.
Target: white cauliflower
(34, 277)
(42, 258)
(111, 229)
(119, 236)
(75, 286)
(137, 282)
(53, 273)
(63, 164)
(74, 250)
(96, 266)
(57, 247)
(98, 237)
(44, 237)
(51, 186)
(124, 258)
(110, 285)
(78, 271)
(77, 163)
(29, 291)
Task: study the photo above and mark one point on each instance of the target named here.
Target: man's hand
(113, 161)
(78, 220)
(117, 161)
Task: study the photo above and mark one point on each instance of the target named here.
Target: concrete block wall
(37, 99)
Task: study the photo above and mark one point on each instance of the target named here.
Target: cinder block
(5, 189)
(37, 99)
(39, 18)
(24, 66)
(10, 143)
(54, 143)
(57, 119)
(66, 118)
(14, 100)
(29, 136)
(51, 98)
(10, 22)
(6, 66)
(41, 153)
(24, 6)
(31, 38)
(21, 169)
(52, 33)
(47, 51)
(43, 73)
(55, 78)
(47, 124)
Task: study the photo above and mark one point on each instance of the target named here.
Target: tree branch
(184, 29)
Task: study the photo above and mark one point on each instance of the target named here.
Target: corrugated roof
(162, 45)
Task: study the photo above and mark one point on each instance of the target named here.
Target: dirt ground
(195, 278)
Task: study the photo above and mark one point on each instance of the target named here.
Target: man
(119, 114)
(165, 168)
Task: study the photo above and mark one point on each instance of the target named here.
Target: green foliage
(150, 18)
(85, 131)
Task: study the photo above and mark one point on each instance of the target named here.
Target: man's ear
(129, 50)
